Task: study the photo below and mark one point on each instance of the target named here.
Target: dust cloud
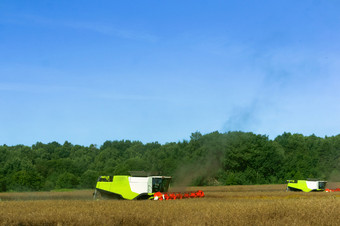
(200, 172)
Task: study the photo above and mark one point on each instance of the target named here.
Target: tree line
(232, 158)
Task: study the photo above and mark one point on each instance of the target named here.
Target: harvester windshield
(322, 185)
(160, 184)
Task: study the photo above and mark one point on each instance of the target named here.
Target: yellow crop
(223, 205)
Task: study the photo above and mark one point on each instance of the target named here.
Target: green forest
(232, 158)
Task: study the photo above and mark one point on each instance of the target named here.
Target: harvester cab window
(105, 178)
(102, 179)
(322, 185)
(156, 184)
(160, 184)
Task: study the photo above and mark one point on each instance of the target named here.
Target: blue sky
(91, 71)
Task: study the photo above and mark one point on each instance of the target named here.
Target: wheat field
(223, 205)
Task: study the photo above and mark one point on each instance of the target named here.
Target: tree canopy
(231, 158)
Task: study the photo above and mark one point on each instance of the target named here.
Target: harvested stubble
(254, 205)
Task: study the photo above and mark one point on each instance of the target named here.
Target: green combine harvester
(130, 187)
(306, 185)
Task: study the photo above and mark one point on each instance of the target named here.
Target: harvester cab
(306, 185)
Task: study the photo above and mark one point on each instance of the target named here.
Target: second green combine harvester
(306, 185)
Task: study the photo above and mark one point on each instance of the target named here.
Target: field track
(223, 205)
